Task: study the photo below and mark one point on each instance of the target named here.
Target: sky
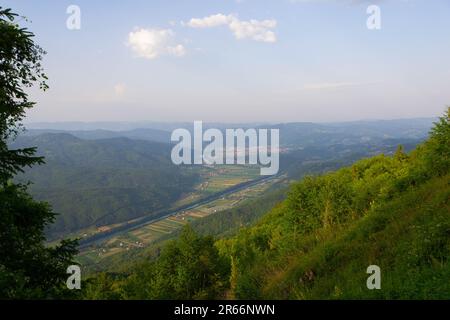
(240, 60)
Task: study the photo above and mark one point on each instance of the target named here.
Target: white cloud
(211, 21)
(152, 43)
(252, 29)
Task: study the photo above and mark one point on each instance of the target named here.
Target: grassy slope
(408, 237)
(392, 212)
(317, 244)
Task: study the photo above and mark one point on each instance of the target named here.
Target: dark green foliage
(437, 151)
(105, 286)
(317, 244)
(98, 182)
(111, 180)
(224, 223)
(389, 211)
(407, 237)
(228, 222)
(20, 68)
(27, 268)
(187, 268)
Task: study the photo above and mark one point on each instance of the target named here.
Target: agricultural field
(213, 179)
(146, 235)
(218, 178)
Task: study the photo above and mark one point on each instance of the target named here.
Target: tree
(28, 269)
(189, 267)
(438, 146)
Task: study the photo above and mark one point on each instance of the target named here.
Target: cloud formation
(214, 20)
(152, 43)
(258, 30)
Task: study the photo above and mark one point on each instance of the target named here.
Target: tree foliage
(28, 269)
(391, 211)
(187, 268)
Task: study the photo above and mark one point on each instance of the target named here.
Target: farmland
(215, 180)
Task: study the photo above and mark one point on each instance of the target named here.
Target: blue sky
(249, 60)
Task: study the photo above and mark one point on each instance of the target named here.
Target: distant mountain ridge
(120, 175)
(382, 223)
(293, 134)
(169, 126)
(97, 134)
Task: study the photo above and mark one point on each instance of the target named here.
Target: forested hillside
(387, 211)
(103, 181)
(102, 177)
(138, 134)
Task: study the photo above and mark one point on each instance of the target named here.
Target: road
(163, 214)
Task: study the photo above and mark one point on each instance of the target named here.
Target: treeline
(389, 211)
(100, 182)
(230, 221)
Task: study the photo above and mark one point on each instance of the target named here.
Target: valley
(201, 159)
(120, 195)
(145, 233)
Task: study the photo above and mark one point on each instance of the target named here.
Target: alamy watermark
(374, 280)
(73, 22)
(74, 280)
(250, 146)
(374, 20)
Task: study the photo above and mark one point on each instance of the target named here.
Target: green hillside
(387, 211)
(408, 238)
(103, 181)
(392, 212)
